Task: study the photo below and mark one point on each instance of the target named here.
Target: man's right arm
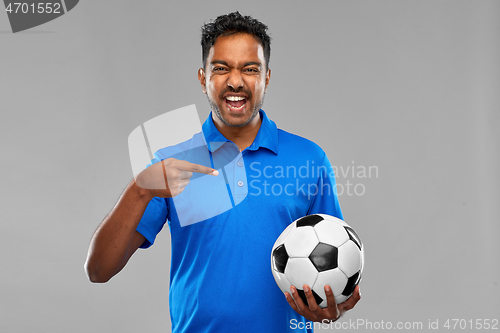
(116, 238)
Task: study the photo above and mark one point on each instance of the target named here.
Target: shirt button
(240, 183)
(240, 163)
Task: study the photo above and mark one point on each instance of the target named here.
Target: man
(220, 275)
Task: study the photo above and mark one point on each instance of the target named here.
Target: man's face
(235, 80)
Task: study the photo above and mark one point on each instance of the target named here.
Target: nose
(235, 80)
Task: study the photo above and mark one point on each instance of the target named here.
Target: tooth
(235, 98)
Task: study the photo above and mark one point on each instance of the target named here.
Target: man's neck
(241, 136)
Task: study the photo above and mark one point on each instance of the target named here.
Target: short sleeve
(154, 217)
(326, 200)
(152, 220)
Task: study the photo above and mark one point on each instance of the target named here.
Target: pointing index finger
(188, 166)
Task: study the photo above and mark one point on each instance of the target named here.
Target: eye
(251, 70)
(219, 69)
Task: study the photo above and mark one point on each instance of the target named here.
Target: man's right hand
(169, 177)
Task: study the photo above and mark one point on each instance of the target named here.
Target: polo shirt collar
(267, 137)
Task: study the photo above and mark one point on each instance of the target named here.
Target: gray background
(411, 87)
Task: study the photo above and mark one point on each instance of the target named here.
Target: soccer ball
(318, 250)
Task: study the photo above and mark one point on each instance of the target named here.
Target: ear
(268, 77)
(201, 78)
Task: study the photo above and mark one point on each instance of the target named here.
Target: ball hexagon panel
(301, 271)
(279, 258)
(331, 233)
(284, 235)
(335, 278)
(324, 257)
(349, 258)
(301, 242)
(341, 298)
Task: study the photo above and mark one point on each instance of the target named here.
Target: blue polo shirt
(223, 228)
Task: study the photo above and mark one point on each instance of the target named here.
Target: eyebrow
(222, 62)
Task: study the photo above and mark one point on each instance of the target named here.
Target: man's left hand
(313, 312)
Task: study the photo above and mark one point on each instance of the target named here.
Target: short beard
(255, 112)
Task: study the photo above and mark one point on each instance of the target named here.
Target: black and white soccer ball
(318, 250)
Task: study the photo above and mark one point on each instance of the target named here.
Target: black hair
(233, 23)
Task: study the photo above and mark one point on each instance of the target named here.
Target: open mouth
(235, 103)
